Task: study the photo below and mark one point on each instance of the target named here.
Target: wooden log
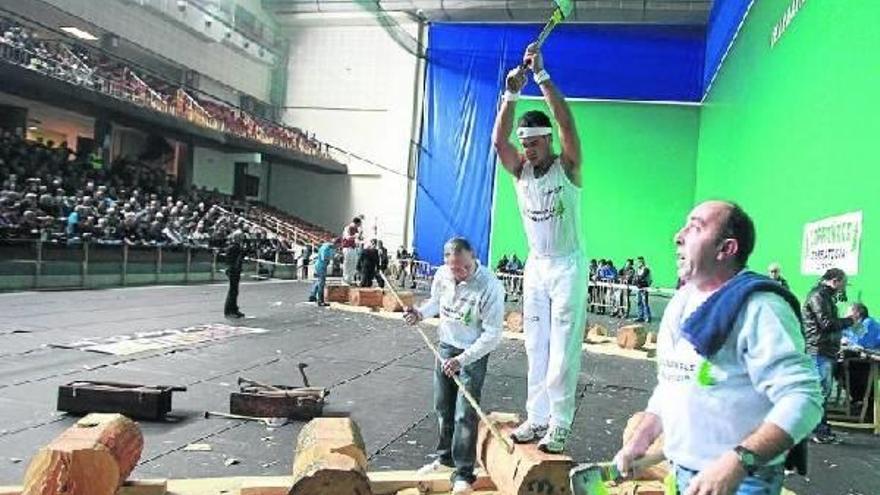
(390, 303)
(366, 296)
(632, 337)
(336, 293)
(596, 334)
(330, 458)
(514, 321)
(525, 471)
(144, 487)
(656, 472)
(92, 457)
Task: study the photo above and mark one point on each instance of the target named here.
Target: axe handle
(493, 429)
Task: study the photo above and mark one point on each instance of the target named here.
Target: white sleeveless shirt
(550, 206)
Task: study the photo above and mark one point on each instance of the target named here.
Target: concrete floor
(377, 370)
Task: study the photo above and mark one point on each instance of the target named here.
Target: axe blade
(590, 479)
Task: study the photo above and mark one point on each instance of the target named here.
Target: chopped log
(514, 321)
(92, 457)
(330, 458)
(389, 302)
(657, 472)
(336, 293)
(631, 337)
(371, 298)
(525, 471)
(596, 334)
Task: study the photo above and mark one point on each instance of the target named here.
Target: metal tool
(274, 422)
(302, 371)
(591, 479)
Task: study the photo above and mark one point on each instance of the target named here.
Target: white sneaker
(527, 432)
(554, 440)
(462, 487)
(434, 467)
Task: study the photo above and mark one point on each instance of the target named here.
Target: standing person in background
(823, 330)
(383, 261)
(369, 265)
(234, 258)
(323, 261)
(643, 282)
(350, 237)
(775, 272)
(305, 258)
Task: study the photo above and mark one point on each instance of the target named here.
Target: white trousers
(349, 264)
(554, 314)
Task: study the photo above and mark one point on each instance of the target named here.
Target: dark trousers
(232, 294)
(458, 420)
(367, 277)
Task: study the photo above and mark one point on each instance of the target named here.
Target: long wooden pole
(467, 395)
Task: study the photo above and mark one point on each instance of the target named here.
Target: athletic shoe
(434, 467)
(312, 299)
(554, 441)
(527, 432)
(462, 487)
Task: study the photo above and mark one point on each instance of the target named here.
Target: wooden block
(92, 457)
(365, 296)
(144, 487)
(336, 293)
(389, 302)
(330, 458)
(514, 321)
(269, 486)
(391, 482)
(131, 400)
(296, 404)
(596, 333)
(631, 337)
(525, 471)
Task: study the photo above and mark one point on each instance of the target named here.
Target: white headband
(527, 132)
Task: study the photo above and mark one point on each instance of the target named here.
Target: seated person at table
(864, 334)
(866, 331)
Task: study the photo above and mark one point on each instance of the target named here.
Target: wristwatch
(748, 459)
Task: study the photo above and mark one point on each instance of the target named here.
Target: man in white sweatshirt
(470, 301)
(735, 388)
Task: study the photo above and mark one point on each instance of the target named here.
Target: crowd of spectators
(49, 192)
(82, 66)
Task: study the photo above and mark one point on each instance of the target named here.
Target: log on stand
(371, 298)
(525, 471)
(391, 304)
(330, 458)
(92, 457)
(336, 293)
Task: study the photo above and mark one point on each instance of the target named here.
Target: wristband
(542, 77)
(511, 96)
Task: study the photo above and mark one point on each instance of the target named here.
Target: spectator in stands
(775, 272)
(323, 259)
(350, 236)
(643, 282)
(822, 329)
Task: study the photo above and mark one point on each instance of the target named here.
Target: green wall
(792, 132)
(638, 176)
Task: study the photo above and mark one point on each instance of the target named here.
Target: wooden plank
(144, 487)
(391, 482)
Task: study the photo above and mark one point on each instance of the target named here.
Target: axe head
(590, 479)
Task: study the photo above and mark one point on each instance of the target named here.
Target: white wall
(215, 169)
(160, 35)
(353, 86)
